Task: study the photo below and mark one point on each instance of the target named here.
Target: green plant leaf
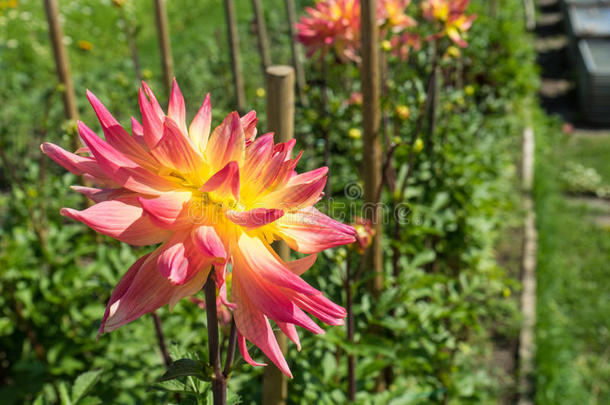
(185, 368)
(84, 383)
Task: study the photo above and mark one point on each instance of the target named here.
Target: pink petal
(174, 150)
(253, 325)
(121, 219)
(199, 130)
(227, 143)
(248, 122)
(169, 210)
(310, 231)
(176, 109)
(290, 331)
(120, 169)
(266, 297)
(257, 255)
(76, 164)
(180, 260)
(145, 290)
(99, 195)
(309, 177)
(152, 122)
(118, 138)
(257, 155)
(153, 101)
(208, 242)
(301, 265)
(297, 196)
(254, 218)
(320, 307)
(243, 348)
(138, 132)
(224, 182)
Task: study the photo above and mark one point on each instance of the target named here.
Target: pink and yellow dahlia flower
(391, 15)
(335, 25)
(331, 24)
(452, 15)
(212, 200)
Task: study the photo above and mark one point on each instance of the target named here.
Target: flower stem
(161, 339)
(219, 381)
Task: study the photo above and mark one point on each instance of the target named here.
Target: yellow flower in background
(84, 45)
(418, 146)
(354, 133)
(147, 74)
(453, 51)
(260, 92)
(469, 90)
(386, 45)
(403, 112)
(5, 4)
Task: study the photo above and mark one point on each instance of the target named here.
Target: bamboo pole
(167, 61)
(62, 64)
(297, 62)
(238, 80)
(280, 119)
(261, 33)
(369, 73)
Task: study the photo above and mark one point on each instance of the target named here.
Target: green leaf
(185, 368)
(63, 394)
(84, 383)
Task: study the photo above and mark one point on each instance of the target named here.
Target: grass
(573, 325)
(591, 150)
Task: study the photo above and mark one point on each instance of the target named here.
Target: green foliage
(432, 324)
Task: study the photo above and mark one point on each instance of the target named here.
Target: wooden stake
(62, 64)
(369, 74)
(167, 62)
(280, 119)
(238, 80)
(261, 32)
(297, 62)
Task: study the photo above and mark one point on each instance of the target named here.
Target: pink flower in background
(212, 200)
(331, 24)
(364, 234)
(392, 16)
(403, 44)
(452, 15)
(335, 25)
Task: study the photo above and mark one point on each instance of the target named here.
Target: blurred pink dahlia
(452, 15)
(331, 24)
(213, 200)
(335, 25)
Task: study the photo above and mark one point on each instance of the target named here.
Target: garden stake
(297, 62)
(167, 62)
(369, 73)
(261, 33)
(280, 120)
(62, 64)
(325, 131)
(232, 33)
